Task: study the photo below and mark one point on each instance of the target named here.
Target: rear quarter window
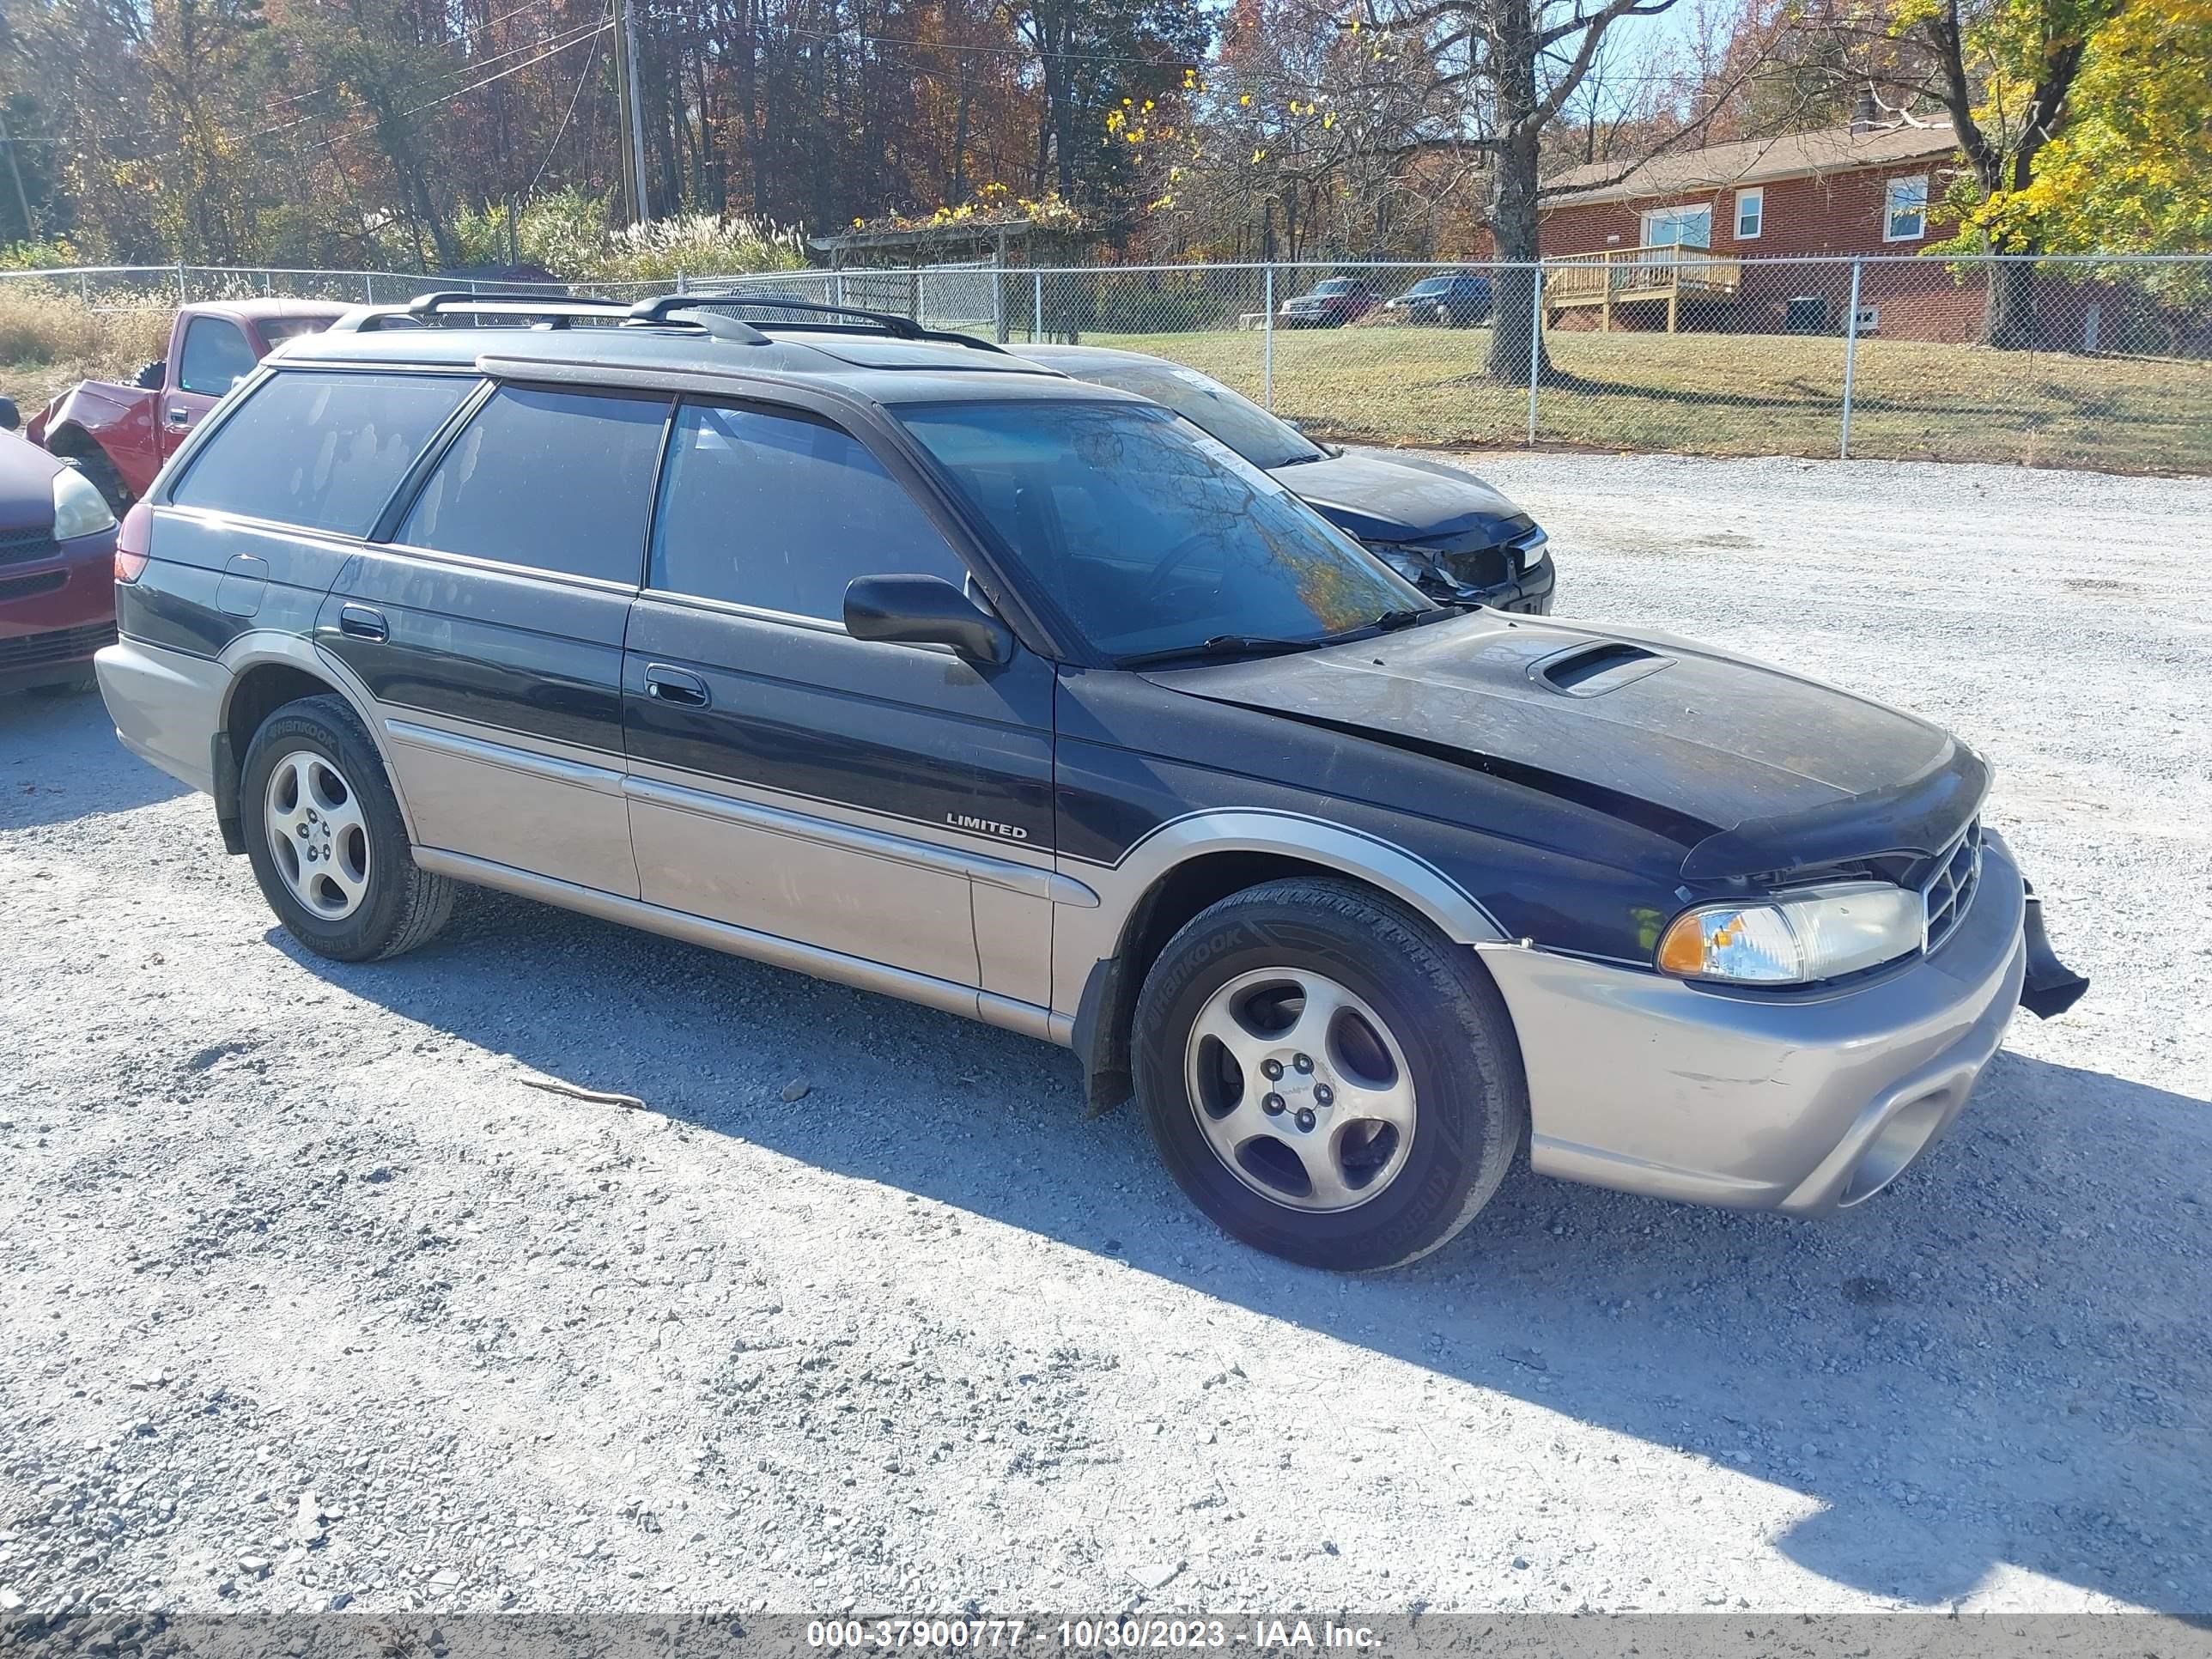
(323, 450)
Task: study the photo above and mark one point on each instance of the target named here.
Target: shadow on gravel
(2000, 1364)
(58, 755)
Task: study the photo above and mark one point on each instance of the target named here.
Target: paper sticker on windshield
(1192, 377)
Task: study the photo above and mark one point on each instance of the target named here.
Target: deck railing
(1651, 272)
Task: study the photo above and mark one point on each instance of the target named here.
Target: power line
(575, 98)
(454, 69)
(589, 32)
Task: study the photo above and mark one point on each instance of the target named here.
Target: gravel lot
(310, 1301)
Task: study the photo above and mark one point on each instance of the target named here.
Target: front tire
(1326, 1076)
(324, 835)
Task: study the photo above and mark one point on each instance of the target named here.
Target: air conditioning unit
(1867, 320)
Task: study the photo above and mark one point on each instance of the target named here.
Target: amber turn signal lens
(1683, 949)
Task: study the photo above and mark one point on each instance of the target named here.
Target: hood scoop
(1593, 670)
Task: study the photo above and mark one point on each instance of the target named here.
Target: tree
(2131, 170)
(2001, 72)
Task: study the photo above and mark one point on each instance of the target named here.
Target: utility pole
(627, 97)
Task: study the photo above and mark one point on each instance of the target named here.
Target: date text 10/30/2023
(1087, 1635)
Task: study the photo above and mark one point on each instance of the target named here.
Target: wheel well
(1109, 1001)
(261, 691)
(68, 439)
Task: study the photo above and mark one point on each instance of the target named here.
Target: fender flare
(258, 647)
(1356, 854)
(1092, 945)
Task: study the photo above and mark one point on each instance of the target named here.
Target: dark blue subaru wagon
(892, 658)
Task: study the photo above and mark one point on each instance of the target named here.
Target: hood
(1750, 770)
(26, 484)
(1382, 498)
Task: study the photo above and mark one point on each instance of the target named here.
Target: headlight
(79, 507)
(1823, 934)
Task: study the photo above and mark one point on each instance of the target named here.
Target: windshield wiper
(1391, 620)
(1222, 645)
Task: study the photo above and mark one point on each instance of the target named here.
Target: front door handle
(358, 622)
(180, 416)
(674, 685)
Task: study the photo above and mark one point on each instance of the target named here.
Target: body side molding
(770, 948)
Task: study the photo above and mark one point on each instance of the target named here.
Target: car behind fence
(2081, 361)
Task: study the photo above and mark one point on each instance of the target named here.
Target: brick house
(1616, 248)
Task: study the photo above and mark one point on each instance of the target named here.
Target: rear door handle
(358, 622)
(674, 685)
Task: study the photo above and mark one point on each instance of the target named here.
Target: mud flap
(2051, 988)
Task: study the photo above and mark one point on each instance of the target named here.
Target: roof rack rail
(661, 306)
(555, 311)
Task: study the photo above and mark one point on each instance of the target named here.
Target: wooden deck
(1627, 276)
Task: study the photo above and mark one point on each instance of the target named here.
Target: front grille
(24, 546)
(1946, 894)
(63, 644)
(21, 587)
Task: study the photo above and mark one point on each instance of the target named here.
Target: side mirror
(925, 610)
(151, 377)
(11, 417)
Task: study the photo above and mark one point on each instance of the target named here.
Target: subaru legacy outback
(894, 659)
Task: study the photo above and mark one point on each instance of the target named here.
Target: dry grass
(49, 342)
(1715, 394)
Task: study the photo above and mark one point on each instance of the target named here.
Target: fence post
(1268, 336)
(679, 283)
(1850, 357)
(836, 288)
(999, 303)
(1535, 341)
(180, 282)
(1036, 308)
(369, 286)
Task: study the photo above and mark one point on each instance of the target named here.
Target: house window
(1904, 209)
(1679, 227)
(1750, 215)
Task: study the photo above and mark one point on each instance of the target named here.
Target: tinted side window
(557, 480)
(215, 357)
(318, 449)
(782, 512)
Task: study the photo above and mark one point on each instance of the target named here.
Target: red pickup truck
(119, 436)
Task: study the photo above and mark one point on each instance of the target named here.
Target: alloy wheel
(318, 835)
(1300, 1089)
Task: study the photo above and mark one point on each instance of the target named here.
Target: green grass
(1727, 394)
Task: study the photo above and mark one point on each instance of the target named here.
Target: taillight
(134, 543)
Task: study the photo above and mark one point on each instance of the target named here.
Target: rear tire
(324, 835)
(1355, 1140)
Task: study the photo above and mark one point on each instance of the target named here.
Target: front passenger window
(780, 512)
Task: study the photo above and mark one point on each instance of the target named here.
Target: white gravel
(307, 1301)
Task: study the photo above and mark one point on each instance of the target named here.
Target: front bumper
(57, 606)
(1802, 1101)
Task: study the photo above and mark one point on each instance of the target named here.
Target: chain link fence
(2082, 362)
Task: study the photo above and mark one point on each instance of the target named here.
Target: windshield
(1149, 535)
(1431, 285)
(1245, 427)
(1336, 285)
